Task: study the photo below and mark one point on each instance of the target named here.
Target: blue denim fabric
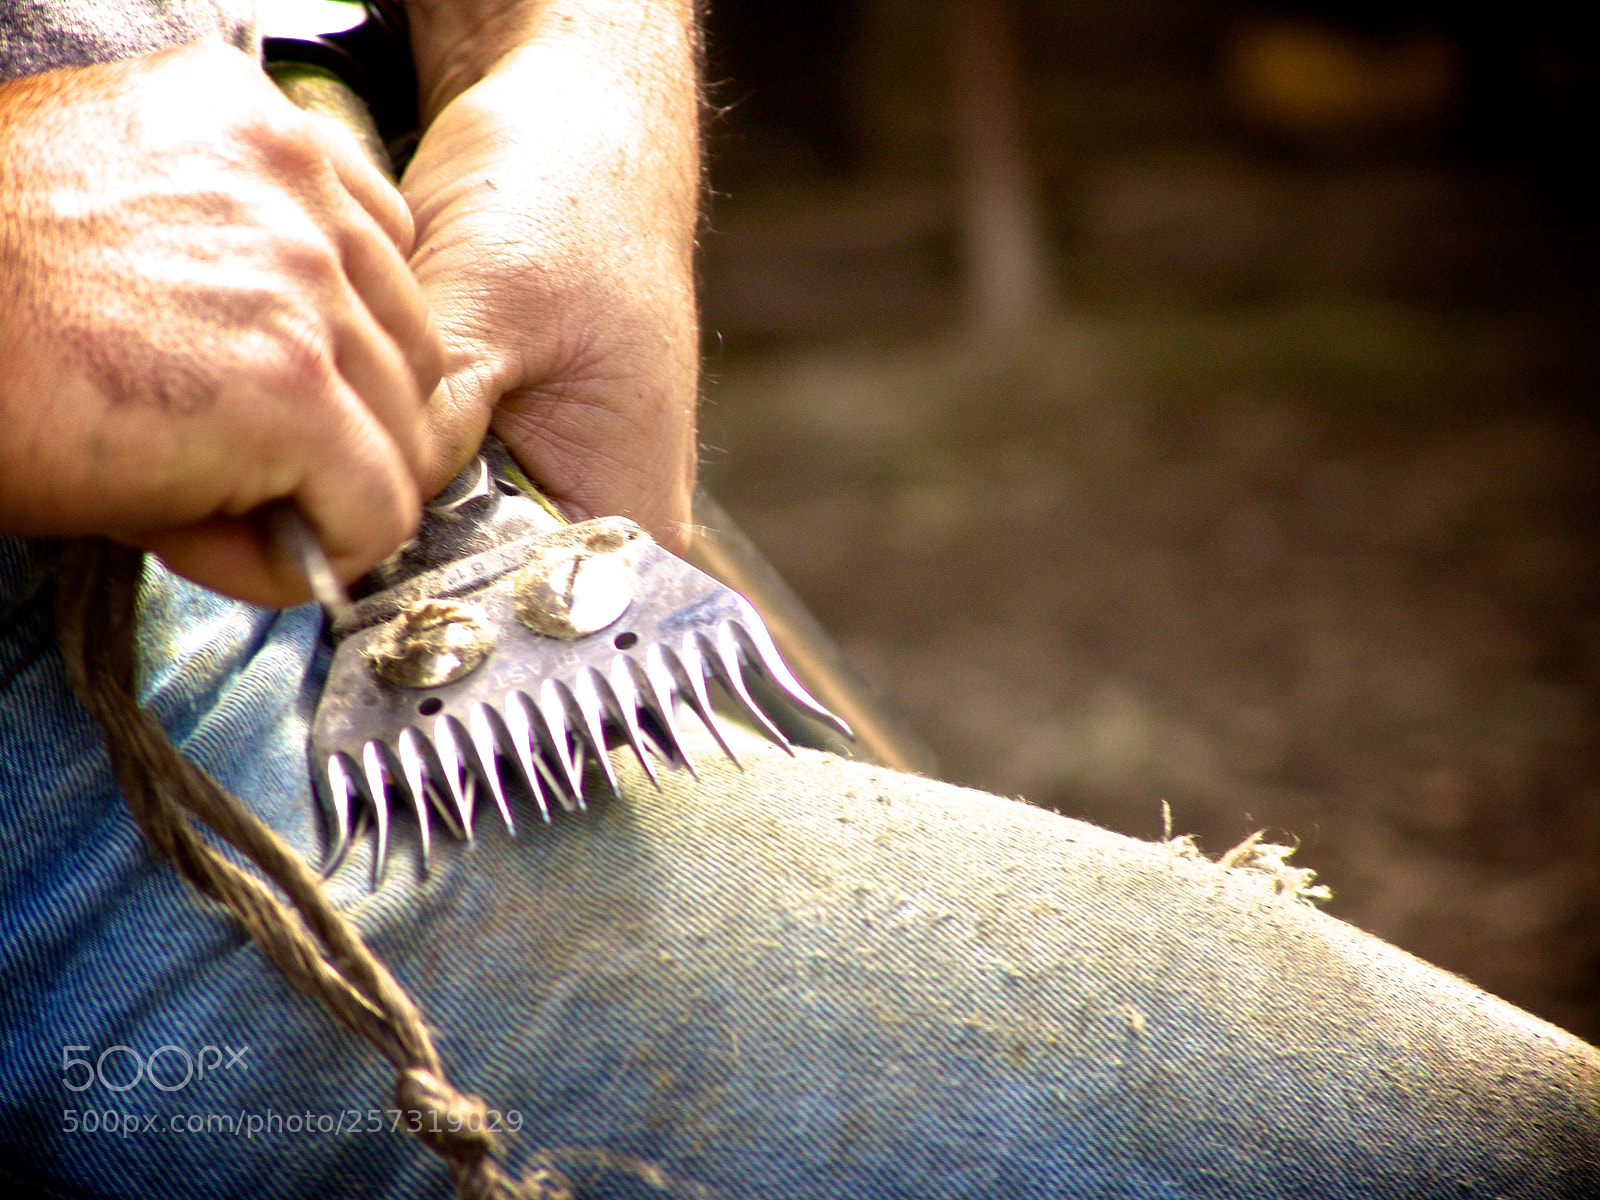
(807, 979)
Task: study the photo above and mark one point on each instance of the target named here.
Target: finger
(354, 486)
(381, 380)
(231, 555)
(360, 492)
(368, 186)
(455, 418)
(391, 293)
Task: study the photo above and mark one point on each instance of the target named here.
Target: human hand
(204, 307)
(555, 201)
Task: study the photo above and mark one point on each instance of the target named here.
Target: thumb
(456, 419)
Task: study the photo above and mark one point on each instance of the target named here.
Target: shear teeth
(413, 771)
(724, 659)
(452, 820)
(448, 737)
(483, 719)
(690, 671)
(552, 750)
(520, 718)
(627, 700)
(661, 705)
(341, 788)
(589, 693)
(434, 790)
(554, 701)
(372, 761)
(759, 651)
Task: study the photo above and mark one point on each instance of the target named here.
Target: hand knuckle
(311, 264)
(300, 352)
(286, 139)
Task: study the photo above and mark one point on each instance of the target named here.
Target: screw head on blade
(579, 584)
(431, 643)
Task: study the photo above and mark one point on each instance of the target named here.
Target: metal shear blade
(516, 666)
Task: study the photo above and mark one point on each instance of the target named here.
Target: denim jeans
(805, 978)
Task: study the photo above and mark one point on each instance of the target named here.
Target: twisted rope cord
(312, 942)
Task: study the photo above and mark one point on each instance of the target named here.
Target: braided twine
(308, 939)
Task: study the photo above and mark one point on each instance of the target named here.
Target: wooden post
(1006, 264)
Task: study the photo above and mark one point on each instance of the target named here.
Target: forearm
(607, 91)
(645, 49)
(559, 173)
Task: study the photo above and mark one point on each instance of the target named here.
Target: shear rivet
(431, 643)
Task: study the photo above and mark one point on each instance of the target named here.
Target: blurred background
(1177, 401)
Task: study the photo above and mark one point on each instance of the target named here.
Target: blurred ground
(1283, 514)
